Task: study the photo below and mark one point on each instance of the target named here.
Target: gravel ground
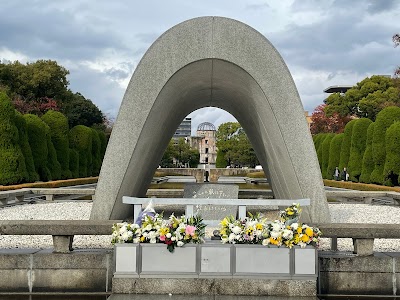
(340, 213)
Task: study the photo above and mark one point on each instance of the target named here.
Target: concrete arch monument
(210, 61)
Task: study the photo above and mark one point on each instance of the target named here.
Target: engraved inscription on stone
(213, 191)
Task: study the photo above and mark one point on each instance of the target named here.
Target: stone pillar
(62, 243)
(363, 247)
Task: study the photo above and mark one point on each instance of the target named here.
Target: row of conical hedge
(370, 151)
(34, 148)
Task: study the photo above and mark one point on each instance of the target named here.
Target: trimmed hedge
(368, 160)
(96, 148)
(103, 144)
(325, 153)
(391, 171)
(58, 124)
(12, 161)
(357, 149)
(80, 139)
(346, 144)
(318, 147)
(384, 119)
(74, 163)
(38, 142)
(334, 154)
(52, 162)
(25, 147)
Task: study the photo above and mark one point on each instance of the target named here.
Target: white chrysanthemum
(125, 236)
(224, 240)
(259, 233)
(236, 230)
(139, 231)
(287, 234)
(232, 237)
(294, 226)
(168, 235)
(136, 240)
(173, 238)
(123, 229)
(145, 234)
(153, 241)
(265, 242)
(152, 235)
(276, 227)
(275, 234)
(179, 243)
(304, 226)
(149, 227)
(157, 227)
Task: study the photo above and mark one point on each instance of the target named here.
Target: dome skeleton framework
(206, 126)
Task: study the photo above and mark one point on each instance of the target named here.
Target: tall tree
(366, 99)
(81, 111)
(234, 145)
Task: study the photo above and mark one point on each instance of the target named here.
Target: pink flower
(190, 230)
(162, 238)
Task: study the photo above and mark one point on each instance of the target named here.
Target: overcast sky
(324, 43)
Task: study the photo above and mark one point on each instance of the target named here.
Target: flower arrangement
(174, 232)
(291, 214)
(257, 230)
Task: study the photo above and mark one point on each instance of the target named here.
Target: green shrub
(368, 160)
(384, 119)
(358, 144)
(58, 125)
(318, 143)
(52, 162)
(325, 153)
(80, 139)
(96, 148)
(25, 147)
(392, 163)
(74, 163)
(334, 154)
(12, 161)
(346, 144)
(103, 142)
(38, 142)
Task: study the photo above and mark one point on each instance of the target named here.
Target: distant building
(184, 130)
(205, 142)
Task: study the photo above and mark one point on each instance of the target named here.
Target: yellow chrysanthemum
(309, 232)
(296, 239)
(259, 226)
(299, 230)
(305, 238)
(290, 212)
(142, 238)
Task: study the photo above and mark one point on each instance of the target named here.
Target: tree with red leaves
(37, 107)
(321, 123)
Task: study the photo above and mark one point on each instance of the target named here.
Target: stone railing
(63, 231)
(362, 196)
(363, 235)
